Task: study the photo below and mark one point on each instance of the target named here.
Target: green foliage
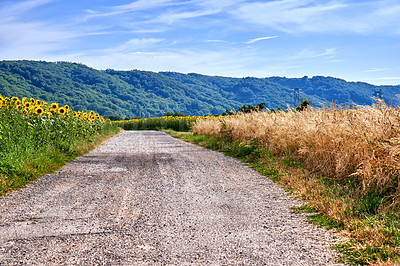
(177, 123)
(384, 230)
(368, 203)
(174, 114)
(228, 112)
(250, 108)
(31, 143)
(303, 105)
(147, 94)
(115, 118)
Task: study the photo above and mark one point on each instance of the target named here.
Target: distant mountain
(144, 93)
(328, 89)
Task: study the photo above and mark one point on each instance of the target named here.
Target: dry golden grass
(350, 168)
(363, 143)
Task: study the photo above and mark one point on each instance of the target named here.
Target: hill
(145, 93)
(328, 89)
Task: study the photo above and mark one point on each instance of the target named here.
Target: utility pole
(296, 97)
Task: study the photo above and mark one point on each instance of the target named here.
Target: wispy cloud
(12, 11)
(131, 7)
(262, 38)
(134, 45)
(172, 17)
(287, 15)
(24, 37)
(216, 41)
(296, 16)
(187, 60)
(390, 78)
(307, 54)
(375, 70)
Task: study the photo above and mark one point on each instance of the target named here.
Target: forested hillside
(326, 89)
(243, 90)
(144, 93)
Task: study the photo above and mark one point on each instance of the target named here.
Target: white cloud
(133, 45)
(31, 39)
(216, 41)
(296, 16)
(262, 38)
(227, 62)
(390, 78)
(308, 54)
(131, 7)
(143, 5)
(172, 17)
(219, 5)
(375, 70)
(12, 11)
(23, 37)
(135, 6)
(287, 15)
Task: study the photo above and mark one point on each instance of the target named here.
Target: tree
(228, 112)
(303, 105)
(250, 108)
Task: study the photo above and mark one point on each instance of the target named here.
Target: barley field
(362, 143)
(344, 162)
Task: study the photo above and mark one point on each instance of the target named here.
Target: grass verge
(368, 238)
(50, 159)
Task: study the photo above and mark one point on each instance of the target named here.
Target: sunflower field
(35, 134)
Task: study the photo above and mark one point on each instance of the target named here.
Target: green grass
(181, 124)
(372, 238)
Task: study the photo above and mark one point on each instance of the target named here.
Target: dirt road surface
(144, 198)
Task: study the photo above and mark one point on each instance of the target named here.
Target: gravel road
(144, 197)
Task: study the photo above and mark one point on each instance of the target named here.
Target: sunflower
(27, 104)
(66, 107)
(32, 100)
(62, 111)
(39, 110)
(24, 111)
(14, 99)
(19, 107)
(9, 107)
(1, 103)
(38, 102)
(54, 106)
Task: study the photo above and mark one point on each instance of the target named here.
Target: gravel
(144, 197)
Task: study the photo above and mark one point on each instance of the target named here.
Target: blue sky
(353, 40)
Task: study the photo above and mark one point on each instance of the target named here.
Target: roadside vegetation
(344, 162)
(179, 123)
(37, 138)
